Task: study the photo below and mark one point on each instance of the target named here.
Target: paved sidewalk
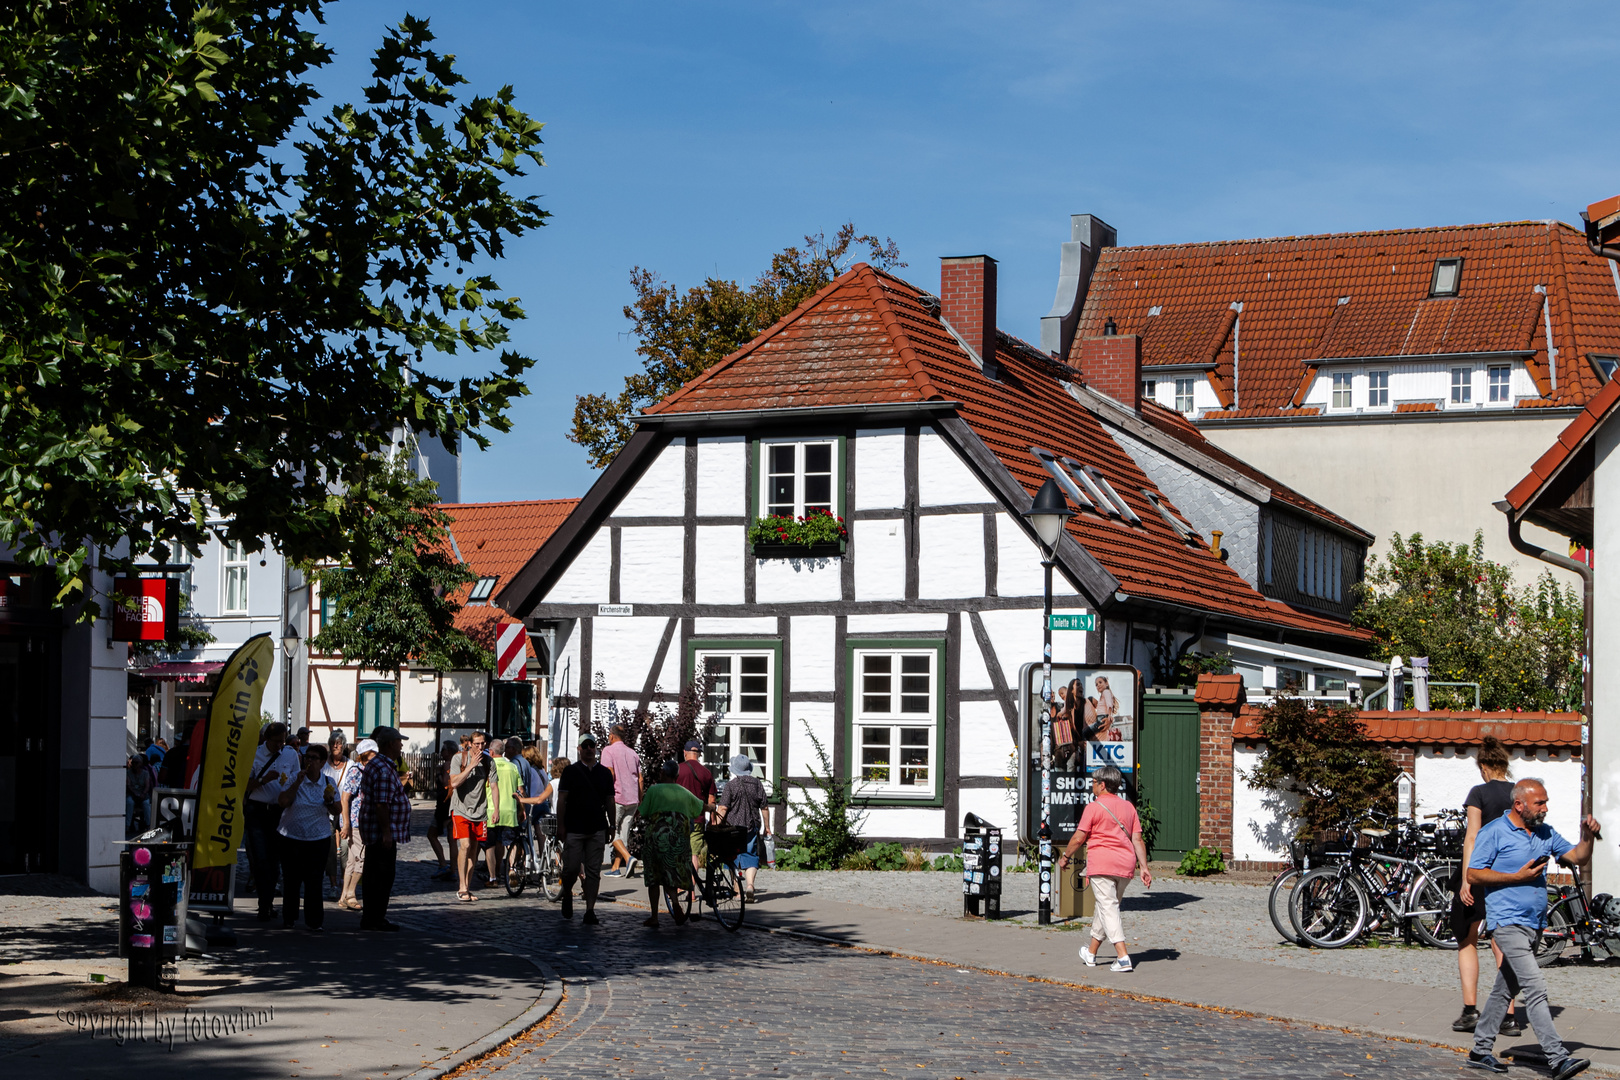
(339, 1004)
(1168, 974)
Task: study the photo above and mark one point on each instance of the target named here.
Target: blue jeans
(134, 811)
(1519, 975)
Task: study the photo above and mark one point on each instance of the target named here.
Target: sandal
(466, 897)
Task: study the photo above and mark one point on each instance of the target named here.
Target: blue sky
(697, 139)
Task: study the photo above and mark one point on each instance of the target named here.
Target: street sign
(511, 652)
(1085, 620)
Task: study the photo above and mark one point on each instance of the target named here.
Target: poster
(1096, 711)
(232, 738)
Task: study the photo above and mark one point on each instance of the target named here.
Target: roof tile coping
(1219, 690)
(1574, 435)
(1558, 730)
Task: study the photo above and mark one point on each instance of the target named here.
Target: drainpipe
(1524, 547)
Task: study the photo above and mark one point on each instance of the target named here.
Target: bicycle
(1304, 855)
(1595, 927)
(721, 886)
(536, 860)
(1332, 906)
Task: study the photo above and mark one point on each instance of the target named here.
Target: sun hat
(693, 744)
(367, 746)
(740, 765)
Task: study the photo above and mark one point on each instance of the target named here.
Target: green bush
(890, 856)
(951, 863)
(794, 858)
(1202, 861)
(829, 827)
(815, 527)
(858, 861)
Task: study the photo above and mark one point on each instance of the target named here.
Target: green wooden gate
(1169, 768)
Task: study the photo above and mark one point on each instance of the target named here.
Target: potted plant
(818, 534)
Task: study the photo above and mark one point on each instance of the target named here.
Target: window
(375, 708)
(742, 694)
(482, 588)
(1050, 463)
(896, 721)
(1378, 389)
(1184, 395)
(1150, 388)
(1343, 382)
(1604, 365)
(1501, 382)
(1447, 274)
(1462, 385)
(798, 478)
(236, 577)
(1321, 570)
(1099, 481)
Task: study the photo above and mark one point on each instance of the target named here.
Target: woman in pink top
(1112, 834)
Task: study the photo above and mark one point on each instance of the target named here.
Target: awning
(182, 670)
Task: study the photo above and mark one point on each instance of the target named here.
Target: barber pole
(511, 659)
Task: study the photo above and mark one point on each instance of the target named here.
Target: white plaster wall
(720, 554)
(1016, 637)
(418, 698)
(105, 749)
(1443, 778)
(903, 821)
(999, 808)
(586, 579)
(985, 739)
(722, 478)
(1018, 563)
(779, 581)
(812, 653)
(880, 559)
(975, 673)
(650, 564)
(942, 478)
(1368, 471)
(801, 756)
(1605, 774)
(340, 693)
(880, 468)
(1261, 827)
(623, 649)
(466, 700)
(950, 556)
(718, 627)
(920, 622)
(661, 491)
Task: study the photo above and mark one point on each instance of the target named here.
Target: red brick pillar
(1220, 698)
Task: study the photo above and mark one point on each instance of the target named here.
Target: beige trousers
(1108, 892)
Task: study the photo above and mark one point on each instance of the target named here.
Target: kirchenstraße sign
(615, 610)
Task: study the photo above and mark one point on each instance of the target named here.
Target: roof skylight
(1447, 276)
(1101, 481)
(482, 588)
(1049, 462)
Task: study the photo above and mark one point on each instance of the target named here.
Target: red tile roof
(1291, 288)
(1570, 440)
(870, 338)
(1219, 690)
(495, 539)
(1440, 728)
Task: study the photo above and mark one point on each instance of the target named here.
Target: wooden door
(1168, 770)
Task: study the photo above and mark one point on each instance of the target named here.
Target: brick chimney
(967, 300)
(1112, 365)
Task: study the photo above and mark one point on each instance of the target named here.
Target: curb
(544, 1005)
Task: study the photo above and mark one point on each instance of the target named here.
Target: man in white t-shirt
(274, 765)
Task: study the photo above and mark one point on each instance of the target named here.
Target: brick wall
(1112, 365)
(1219, 698)
(967, 300)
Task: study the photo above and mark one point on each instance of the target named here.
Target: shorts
(501, 836)
(624, 816)
(462, 829)
(700, 846)
(356, 862)
(441, 817)
(1463, 916)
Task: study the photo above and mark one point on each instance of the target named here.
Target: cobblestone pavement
(1202, 917)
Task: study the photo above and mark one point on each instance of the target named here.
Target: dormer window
(482, 588)
(1447, 275)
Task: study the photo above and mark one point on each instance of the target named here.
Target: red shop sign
(156, 614)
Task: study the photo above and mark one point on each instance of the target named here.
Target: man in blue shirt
(1510, 860)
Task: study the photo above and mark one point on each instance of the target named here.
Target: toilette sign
(146, 609)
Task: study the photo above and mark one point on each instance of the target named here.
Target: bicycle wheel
(517, 874)
(1429, 907)
(1277, 904)
(1329, 909)
(1552, 942)
(678, 903)
(551, 870)
(723, 891)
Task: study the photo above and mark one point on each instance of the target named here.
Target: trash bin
(151, 908)
(1074, 899)
(981, 867)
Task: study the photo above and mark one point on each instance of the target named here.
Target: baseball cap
(587, 740)
(693, 744)
(367, 746)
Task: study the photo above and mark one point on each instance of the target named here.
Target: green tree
(391, 604)
(1320, 755)
(214, 301)
(681, 335)
(1461, 610)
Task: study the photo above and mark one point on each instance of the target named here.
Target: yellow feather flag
(233, 736)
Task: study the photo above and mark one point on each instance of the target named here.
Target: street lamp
(1046, 516)
(289, 647)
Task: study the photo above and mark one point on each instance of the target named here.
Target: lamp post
(289, 649)
(1046, 516)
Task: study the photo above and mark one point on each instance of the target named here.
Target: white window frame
(1342, 385)
(885, 780)
(1150, 389)
(1462, 392)
(1378, 389)
(728, 741)
(233, 570)
(1499, 391)
(1190, 396)
(483, 588)
(798, 508)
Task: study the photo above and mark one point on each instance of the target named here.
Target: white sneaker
(1087, 957)
(1122, 964)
